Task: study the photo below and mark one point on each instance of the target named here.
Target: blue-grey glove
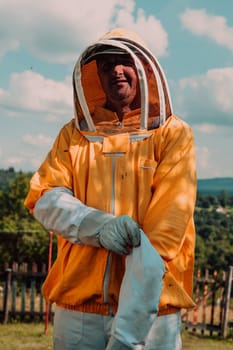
(120, 234)
(116, 233)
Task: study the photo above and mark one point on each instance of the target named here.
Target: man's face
(118, 77)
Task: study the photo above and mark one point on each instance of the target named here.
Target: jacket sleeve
(169, 217)
(55, 171)
(58, 210)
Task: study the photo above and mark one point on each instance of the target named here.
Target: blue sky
(40, 43)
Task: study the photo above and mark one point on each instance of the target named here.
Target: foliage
(24, 239)
(214, 226)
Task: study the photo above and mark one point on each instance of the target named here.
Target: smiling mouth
(119, 81)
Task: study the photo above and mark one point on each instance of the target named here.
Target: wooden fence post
(213, 301)
(224, 329)
(6, 295)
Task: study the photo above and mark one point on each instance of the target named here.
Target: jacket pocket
(148, 164)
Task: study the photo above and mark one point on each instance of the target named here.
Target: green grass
(30, 336)
(205, 342)
(27, 336)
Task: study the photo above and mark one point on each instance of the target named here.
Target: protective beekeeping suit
(119, 181)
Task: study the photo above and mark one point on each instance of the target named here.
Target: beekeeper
(119, 181)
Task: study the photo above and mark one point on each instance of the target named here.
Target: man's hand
(120, 235)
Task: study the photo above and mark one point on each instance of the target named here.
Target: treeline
(23, 239)
(214, 227)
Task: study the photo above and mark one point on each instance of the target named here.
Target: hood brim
(101, 50)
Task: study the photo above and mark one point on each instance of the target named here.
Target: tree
(22, 237)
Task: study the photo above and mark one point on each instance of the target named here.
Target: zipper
(109, 259)
(113, 185)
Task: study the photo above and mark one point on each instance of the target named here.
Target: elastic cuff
(88, 232)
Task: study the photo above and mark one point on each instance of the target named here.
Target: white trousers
(75, 330)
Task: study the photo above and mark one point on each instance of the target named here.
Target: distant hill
(215, 186)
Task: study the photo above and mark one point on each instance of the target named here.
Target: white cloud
(205, 128)
(38, 140)
(206, 99)
(214, 27)
(202, 154)
(15, 161)
(22, 162)
(147, 27)
(26, 155)
(29, 92)
(58, 31)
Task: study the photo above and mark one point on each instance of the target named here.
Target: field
(30, 336)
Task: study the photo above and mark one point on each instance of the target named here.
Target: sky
(41, 41)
